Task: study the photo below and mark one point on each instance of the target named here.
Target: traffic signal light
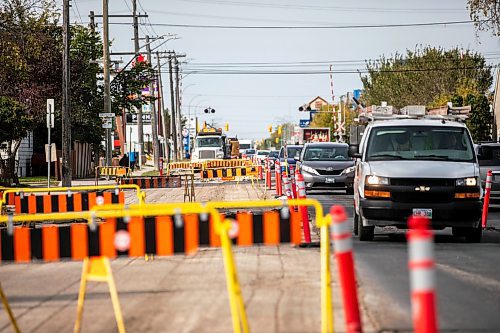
(204, 124)
(279, 130)
(277, 140)
(226, 127)
(270, 128)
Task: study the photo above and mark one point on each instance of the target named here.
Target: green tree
(421, 76)
(16, 122)
(485, 14)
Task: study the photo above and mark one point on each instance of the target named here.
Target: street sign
(304, 123)
(50, 113)
(107, 115)
(50, 151)
(132, 118)
(107, 123)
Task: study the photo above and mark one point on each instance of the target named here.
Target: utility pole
(154, 115)
(161, 105)
(178, 111)
(106, 64)
(172, 108)
(66, 112)
(140, 126)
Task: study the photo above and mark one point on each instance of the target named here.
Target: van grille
(423, 182)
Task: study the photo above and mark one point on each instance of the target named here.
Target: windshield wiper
(396, 157)
(432, 157)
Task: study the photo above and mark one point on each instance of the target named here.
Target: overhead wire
(331, 27)
(324, 8)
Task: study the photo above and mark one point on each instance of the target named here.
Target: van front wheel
(365, 233)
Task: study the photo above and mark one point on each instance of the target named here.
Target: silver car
(326, 165)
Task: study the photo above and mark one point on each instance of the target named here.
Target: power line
(322, 72)
(324, 8)
(77, 11)
(332, 27)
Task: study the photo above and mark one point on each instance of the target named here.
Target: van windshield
(420, 143)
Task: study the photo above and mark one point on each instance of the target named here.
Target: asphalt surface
(468, 276)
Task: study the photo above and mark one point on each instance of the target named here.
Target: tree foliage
(31, 56)
(15, 124)
(419, 77)
(485, 14)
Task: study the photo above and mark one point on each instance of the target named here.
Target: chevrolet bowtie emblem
(422, 188)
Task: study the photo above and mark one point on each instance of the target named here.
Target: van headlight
(377, 180)
(470, 181)
(349, 170)
(309, 170)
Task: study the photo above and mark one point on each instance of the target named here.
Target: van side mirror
(354, 151)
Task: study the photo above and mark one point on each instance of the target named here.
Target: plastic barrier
(323, 223)
(151, 229)
(114, 171)
(486, 204)
(229, 173)
(70, 199)
(184, 166)
(154, 182)
(422, 279)
(213, 164)
(342, 245)
(301, 193)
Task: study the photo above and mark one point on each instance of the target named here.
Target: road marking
(470, 277)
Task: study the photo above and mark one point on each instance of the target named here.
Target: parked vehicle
(261, 156)
(273, 155)
(416, 166)
(488, 155)
(291, 154)
(248, 154)
(327, 165)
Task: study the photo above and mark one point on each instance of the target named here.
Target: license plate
(424, 212)
(330, 180)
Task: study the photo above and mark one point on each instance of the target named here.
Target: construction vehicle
(210, 143)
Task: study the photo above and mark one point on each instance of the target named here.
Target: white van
(416, 166)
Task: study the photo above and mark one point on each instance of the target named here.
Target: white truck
(209, 144)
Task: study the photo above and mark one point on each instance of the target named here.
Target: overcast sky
(251, 102)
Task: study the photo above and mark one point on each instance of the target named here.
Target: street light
(209, 110)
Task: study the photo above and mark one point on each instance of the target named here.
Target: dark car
(326, 165)
(291, 154)
(273, 155)
(488, 155)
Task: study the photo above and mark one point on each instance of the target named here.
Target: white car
(260, 156)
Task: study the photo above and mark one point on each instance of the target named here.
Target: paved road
(468, 277)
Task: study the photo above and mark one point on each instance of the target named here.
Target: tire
(355, 229)
(474, 235)
(458, 232)
(365, 233)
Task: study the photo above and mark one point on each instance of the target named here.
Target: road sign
(50, 113)
(50, 151)
(107, 115)
(304, 123)
(132, 118)
(107, 123)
